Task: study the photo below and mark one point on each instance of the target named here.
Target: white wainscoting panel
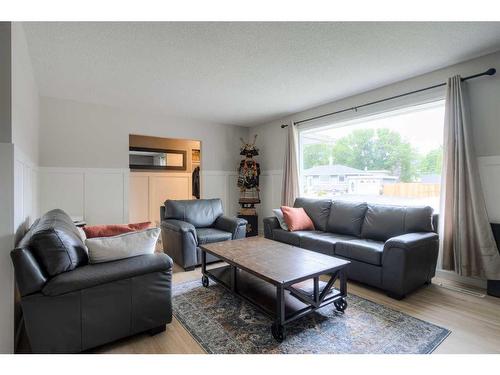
(25, 192)
(167, 186)
(101, 195)
(149, 190)
(106, 194)
(98, 195)
(489, 170)
(223, 185)
(138, 198)
(62, 189)
(270, 194)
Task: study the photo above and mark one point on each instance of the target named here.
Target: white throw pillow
(82, 234)
(105, 249)
(279, 215)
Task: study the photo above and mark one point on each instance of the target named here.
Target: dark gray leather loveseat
(394, 248)
(69, 305)
(186, 224)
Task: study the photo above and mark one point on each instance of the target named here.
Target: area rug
(223, 323)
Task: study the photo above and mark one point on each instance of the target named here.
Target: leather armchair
(185, 224)
(89, 304)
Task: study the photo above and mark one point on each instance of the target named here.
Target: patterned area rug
(223, 323)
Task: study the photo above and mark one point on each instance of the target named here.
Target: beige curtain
(290, 185)
(468, 245)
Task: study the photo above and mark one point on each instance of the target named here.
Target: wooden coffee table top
(274, 261)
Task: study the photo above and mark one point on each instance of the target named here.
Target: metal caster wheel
(278, 332)
(204, 281)
(341, 304)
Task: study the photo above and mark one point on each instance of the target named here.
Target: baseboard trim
(452, 276)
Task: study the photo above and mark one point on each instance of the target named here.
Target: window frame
(428, 101)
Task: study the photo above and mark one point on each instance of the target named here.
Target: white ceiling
(241, 73)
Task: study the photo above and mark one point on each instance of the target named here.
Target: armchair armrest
(179, 240)
(409, 261)
(178, 226)
(270, 223)
(234, 225)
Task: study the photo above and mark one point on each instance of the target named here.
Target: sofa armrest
(410, 240)
(101, 273)
(270, 223)
(30, 277)
(409, 261)
(234, 225)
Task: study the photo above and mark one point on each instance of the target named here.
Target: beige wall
(25, 100)
(5, 83)
(18, 158)
(96, 136)
(7, 196)
(484, 98)
(85, 146)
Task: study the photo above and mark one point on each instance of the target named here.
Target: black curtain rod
(489, 72)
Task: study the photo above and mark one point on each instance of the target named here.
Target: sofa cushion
(322, 242)
(317, 209)
(291, 238)
(202, 213)
(211, 235)
(367, 251)
(383, 221)
(346, 217)
(56, 243)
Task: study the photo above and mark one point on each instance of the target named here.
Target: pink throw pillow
(296, 219)
(111, 230)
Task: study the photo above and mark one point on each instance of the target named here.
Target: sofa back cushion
(56, 243)
(383, 221)
(317, 209)
(201, 213)
(346, 217)
(419, 219)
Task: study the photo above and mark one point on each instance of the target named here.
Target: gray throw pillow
(281, 219)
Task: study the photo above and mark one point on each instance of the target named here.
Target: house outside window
(393, 158)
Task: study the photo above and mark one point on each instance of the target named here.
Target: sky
(422, 126)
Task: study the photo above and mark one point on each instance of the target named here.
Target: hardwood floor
(474, 321)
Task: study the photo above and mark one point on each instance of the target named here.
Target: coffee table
(281, 280)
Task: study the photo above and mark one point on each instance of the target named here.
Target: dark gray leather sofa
(394, 248)
(185, 224)
(69, 305)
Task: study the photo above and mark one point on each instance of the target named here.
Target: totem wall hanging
(248, 182)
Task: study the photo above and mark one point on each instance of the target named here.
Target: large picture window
(394, 157)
